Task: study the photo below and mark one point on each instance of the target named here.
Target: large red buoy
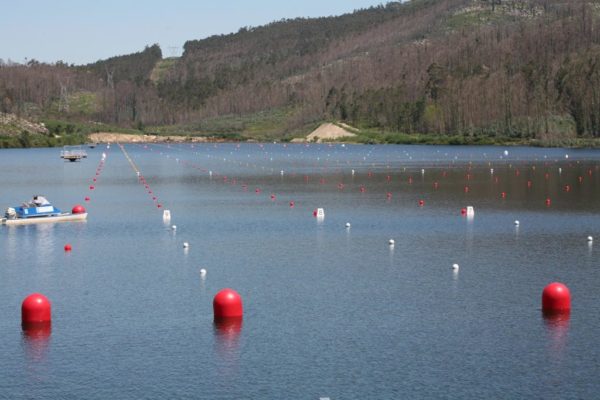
(68, 247)
(227, 304)
(36, 309)
(78, 209)
(556, 298)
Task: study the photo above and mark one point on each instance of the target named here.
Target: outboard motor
(11, 213)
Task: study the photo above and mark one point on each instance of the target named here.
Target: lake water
(330, 312)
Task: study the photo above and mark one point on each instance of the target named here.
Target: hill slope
(472, 68)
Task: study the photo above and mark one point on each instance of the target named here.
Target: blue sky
(84, 31)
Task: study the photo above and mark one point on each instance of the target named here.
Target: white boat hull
(41, 220)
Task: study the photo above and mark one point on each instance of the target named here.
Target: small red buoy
(273, 197)
(227, 304)
(389, 195)
(94, 179)
(91, 187)
(466, 189)
(292, 204)
(315, 212)
(529, 183)
(87, 198)
(463, 211)
(503, 194)
(68, 247)
(548, 202)
(421, 203)
(556, 297)
(567, 188)
(159, 205)
(362, 189)
(36, 309)
(78, 209)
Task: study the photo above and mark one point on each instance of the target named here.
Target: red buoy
(556, 298)
(463, 211)
(91, 187)
(227, 304)
(68, 247)
(36, 309)
(421, 203)
(78, 209)
(548, 201)
(87, 198)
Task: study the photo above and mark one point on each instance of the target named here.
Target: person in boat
(39, 201)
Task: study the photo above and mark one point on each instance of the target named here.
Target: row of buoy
(36, 309)
(362, 188)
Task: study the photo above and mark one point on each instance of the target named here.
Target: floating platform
(73, 153)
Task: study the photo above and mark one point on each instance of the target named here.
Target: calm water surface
(329, 311)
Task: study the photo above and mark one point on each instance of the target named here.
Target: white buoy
(423, 172)
(392, 242)
(492, 171)
(455, 267)
(202, 273)
(566, 156)
(209, 173)
(505, 152)
(352, 172)
(166, 215)
(186, 245)
(320, 213)
(348, 225)
(517, 223)
(560, 170)
(174, 227)
(281, 172)
(470, 212)
(590, 239)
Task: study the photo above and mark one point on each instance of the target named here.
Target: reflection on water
(36, 341)
(227, 342)
(557, 329)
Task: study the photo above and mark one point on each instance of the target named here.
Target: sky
(84, 31)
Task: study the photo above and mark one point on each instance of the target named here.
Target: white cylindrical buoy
(281, 172)
(455, 267)
(590, 239)
(492, 171)
(352, 172)
(186, 245)
(470, 212)
(423, 172)
(166, 215)
(517, 223)
(348, 225)
(174, 227)
(505, 152)
(202, 273)
(392, 242)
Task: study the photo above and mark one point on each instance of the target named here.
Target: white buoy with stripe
(166, 215)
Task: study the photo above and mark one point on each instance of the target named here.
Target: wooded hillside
(472, 68)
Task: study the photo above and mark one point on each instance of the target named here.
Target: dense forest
(526, 69)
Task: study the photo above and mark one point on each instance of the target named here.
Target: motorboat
(33, 214)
